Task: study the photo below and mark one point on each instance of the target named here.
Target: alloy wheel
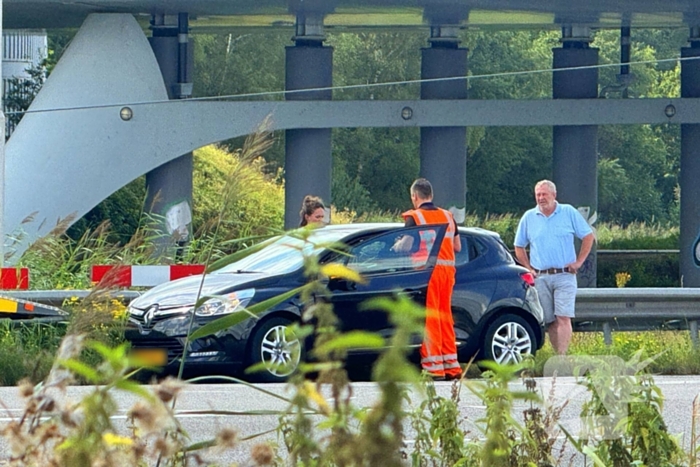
(279, 351)
(510, 343)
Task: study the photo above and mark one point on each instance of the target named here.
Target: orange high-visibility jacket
(446, 255)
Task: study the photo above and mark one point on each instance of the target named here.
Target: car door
(475, 283)
(385, 272)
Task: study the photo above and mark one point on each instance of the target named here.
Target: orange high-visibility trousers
(439, 350)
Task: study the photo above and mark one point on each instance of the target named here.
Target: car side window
(471, 249)
(377, 254)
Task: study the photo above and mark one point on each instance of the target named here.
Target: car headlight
(229, 303)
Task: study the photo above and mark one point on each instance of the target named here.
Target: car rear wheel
(278, 349)
(508, 339)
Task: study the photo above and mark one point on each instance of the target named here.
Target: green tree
(20, 94)
(638, 168)
(505, 162)
(123, 209)
(236, 64)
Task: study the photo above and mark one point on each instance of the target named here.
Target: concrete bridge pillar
(443, 150)
(690, 167)
(308, 160)
(575, 148)
(169, 187)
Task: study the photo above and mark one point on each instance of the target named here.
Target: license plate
(153, 357)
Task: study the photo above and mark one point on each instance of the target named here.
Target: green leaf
(590, 452)
(200, 445)
(79, 368)
(276, 300)
(242, 382)
(114, 355)
(232, 319)
(318, 367)
(352, 340)
(202, 300)
(220, 324)
(134, 388)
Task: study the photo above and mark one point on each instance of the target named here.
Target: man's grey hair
(423, 189)
(549, 184)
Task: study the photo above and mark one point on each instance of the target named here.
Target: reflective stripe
(428, 238)
(449, 366)
(450, 225)
(436, 359)
(445, 254)
(434, 367)
(450, 356)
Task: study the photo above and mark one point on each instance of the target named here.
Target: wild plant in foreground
(623, 422)
(504, 435)
(55, 432)
(348, 436)
(440, 439)
(382, 434)
(540, 421)
(694, 435)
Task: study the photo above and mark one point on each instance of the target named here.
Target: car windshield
(286, 253)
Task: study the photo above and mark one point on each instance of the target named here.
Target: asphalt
(196, 400)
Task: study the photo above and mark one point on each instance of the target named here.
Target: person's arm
(456, 243)
(403, 244)
(521, 241)
(522, 257)
(586, 245)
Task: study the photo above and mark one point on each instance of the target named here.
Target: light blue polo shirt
(551, 239)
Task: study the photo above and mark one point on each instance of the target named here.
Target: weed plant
(623, 419)
(27, 350)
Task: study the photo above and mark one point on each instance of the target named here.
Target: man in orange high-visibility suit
(439, 349)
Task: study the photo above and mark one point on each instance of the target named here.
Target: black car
(496, 310)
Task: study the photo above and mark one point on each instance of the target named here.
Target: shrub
(27, 350)
(255, 204)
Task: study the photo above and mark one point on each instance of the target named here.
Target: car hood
(183, 292)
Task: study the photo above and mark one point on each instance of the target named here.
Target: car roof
(350, 229)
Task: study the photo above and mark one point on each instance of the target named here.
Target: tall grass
(27, 350)
(672, 352)
(638, 236)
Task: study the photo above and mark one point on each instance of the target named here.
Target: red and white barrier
(142, 276)
(14, 278)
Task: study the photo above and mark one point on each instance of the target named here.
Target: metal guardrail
(59, 297)
(597, 310)
(637, 309)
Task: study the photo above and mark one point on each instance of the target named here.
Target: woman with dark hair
(313, 211)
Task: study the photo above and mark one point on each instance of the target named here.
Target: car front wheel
(508, 339)
(277, 349)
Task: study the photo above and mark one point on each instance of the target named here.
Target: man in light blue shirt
(549, 230)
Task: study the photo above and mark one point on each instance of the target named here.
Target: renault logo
(148, 317)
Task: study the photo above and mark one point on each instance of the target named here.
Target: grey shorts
(557, 295)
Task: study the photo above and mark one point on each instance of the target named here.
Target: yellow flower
(115, 440)
(309, 390)
(622, 278)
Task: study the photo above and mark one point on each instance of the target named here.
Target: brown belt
(552, 271)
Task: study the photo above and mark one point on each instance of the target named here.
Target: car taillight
(528, 278)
